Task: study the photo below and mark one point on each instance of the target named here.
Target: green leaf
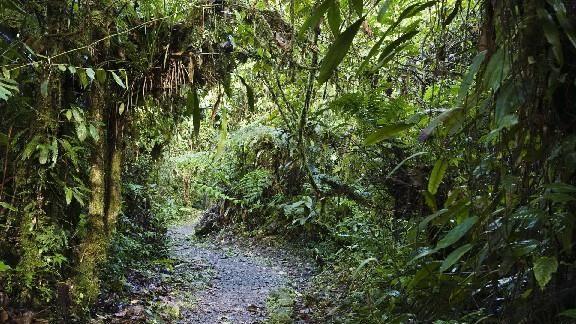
(402, 163)
(437, 175)
(4, 267)
(44, 88)
(94, 132)
(552, 34)
(383, 10)
(496, 70)
(454, 257)
(543, 269)
(62, 67)
(424, 223)
(334, 18)
(72, 69)
(386, 133)
(569, 313)
(90, 73)
(338, 51)
(454, 12)
(362, 265)
(394, 47)
(101, 76)
(249, 94)
(563, 19)
(315, 17)
(8, 206)
(69, 194)
(121, 109)
(81, 132)
(43, 154)
(469, 78)
(422, 252)
(83, 78)
(457, 233)
(117, 79)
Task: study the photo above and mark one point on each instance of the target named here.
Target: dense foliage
(423, 150)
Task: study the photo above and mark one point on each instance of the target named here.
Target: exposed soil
(221, 279)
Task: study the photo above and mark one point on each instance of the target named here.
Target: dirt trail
(221, 279)
(243, 277)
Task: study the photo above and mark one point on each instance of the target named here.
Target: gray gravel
(243, 277)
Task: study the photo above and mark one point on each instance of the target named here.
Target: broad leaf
(338, 51)
(543, 269)
(8, 206)
(4, 267)
(454, 257)
(90, 73)
(469, 78)
(437, 175)
(391, 49)
(457, 233)
(81, 132)
(101, 76)
(569, 313)
(552, 34)
(386, 133)
(69, 194)
(334, 19)
(383, 10)
(117, 79)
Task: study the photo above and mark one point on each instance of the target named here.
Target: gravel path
(242, 278)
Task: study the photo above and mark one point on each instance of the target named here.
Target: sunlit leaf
(117, 79)
(383, 10)
(8, 206)
(90, 73)
(544, 268)
(386, 132)
(69, 194)
(457, 233)
(94, 132)
(453, 257)
(437, 175)
(4, 267)
(81, 132)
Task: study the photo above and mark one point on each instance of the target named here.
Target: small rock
(26, 318)
(4, 316)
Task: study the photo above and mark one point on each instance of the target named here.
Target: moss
(280, 306)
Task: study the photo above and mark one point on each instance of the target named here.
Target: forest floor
(224, 278)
